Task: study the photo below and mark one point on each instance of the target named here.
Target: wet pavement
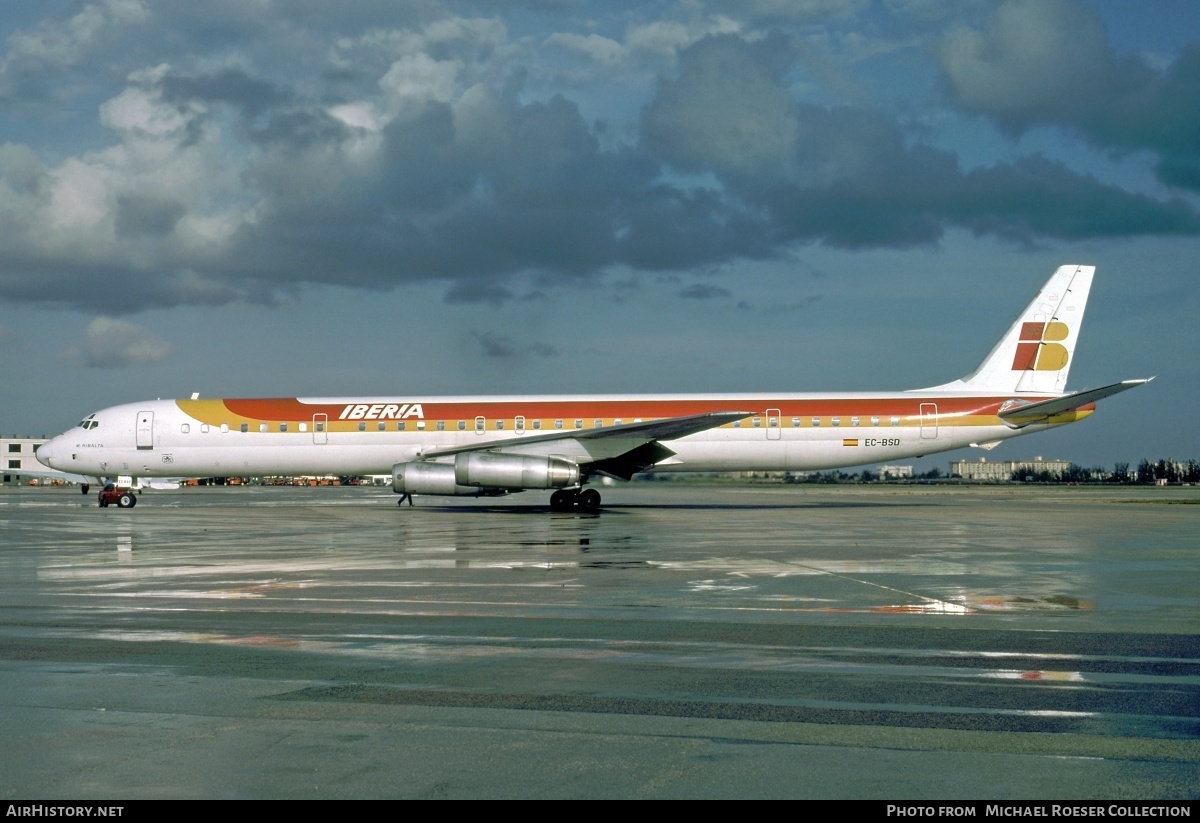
(689, 641)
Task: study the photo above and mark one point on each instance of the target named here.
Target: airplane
(488, 446)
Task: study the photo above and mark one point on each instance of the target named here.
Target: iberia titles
(381, 411)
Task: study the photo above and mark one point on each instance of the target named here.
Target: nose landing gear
(585, 500)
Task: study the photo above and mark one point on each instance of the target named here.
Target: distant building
(895, 472)
(1002, 470)
(17, 454)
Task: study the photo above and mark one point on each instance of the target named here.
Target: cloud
(500, 346)
(704, 291)
(602, 50)
(34, 58)
(113, 344)
(1050, 62)
(261, 155)
(726, 111)
(850, 177)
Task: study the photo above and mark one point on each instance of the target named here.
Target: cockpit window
(89, 422)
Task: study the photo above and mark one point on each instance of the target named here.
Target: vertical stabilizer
(1035, 354)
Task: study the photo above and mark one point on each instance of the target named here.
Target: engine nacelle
(428, 478)
(514, 471)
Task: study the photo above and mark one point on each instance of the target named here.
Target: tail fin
(1035, 354)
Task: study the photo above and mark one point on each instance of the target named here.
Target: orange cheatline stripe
(952, 412)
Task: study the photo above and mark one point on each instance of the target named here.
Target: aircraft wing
(620, 451)
(1032, 412)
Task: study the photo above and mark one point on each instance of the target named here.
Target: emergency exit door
(145, 430)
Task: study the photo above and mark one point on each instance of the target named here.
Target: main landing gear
(584, 500)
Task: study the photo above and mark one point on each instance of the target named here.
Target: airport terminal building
(1001, 471)
(17, 454)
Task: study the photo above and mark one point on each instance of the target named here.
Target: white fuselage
(359, 436)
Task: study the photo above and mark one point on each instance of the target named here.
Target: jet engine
(514, 471)
(477, 473)
(428, 478)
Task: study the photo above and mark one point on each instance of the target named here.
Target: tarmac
(689, 641)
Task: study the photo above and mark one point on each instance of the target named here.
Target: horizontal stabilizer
(1070, 402)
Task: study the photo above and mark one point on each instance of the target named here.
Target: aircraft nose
(50, 452)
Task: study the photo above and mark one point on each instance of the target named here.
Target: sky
(301, 198)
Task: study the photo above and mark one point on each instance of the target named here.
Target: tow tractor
(113, 494)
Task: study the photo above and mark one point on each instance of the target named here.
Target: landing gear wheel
(589, 500)
(126, 501)
(562, 500)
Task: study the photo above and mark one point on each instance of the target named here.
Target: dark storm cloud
(525, 187)
(1050, 62)
(234, 184)
(850, 177)
(726, 111)
(232, 86)
(500, 346)
(153, 216)
(704, 291)
(121, 291)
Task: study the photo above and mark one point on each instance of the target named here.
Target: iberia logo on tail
(1038, 348)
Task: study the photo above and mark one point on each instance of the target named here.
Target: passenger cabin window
(320, 426)
(558, 424)
(479, 424)
(362, 427)
(441, 425)
(421, 425)
(597, 423)
(795, 422)
(262, 427)
(737, 424)
(204, 428)
(462, 425)
(874, 421)
(283, 427)
(757, 422)
(185, 428)
(578, 423)
(499, 425)
(895, 421)
(519, 424)
(537, 424)
(381, 426)
(245, 427)
(835, 421)
(816, 421)
(854, 421)
(400, 426)
(773, 422)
